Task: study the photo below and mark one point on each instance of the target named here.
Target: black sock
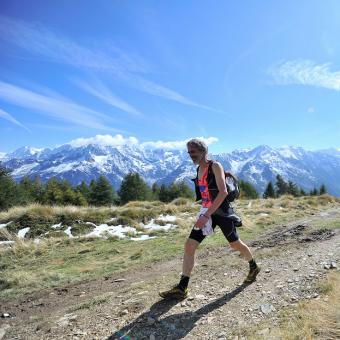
(252, 264)
(184, 281)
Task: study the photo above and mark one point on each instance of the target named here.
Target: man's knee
(236, 245)
(190, 246)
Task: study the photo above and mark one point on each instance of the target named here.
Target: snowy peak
(84, 161)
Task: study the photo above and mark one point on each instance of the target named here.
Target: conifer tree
(134, 188)
(155, 191)
(103, 192)
(8, 190)
(164, 194)
(281, 186)
(84, 190)
(247, 190)
(323, 189)
(269, 191)
(293, 189)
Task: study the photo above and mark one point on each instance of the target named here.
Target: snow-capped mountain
(259, 165)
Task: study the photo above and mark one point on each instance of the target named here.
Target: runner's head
(197, 150)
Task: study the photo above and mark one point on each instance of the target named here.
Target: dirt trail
(292, 257)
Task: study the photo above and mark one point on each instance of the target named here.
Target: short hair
(198, 144)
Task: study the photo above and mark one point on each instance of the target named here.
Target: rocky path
(293, 259)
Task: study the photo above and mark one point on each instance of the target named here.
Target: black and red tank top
(203, 186)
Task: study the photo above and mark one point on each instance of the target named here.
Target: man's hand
(201, 222)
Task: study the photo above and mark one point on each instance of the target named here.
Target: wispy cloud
(104, 140)
(306, 72)
(118, 140)
(176, 144)
(38, 40)
(7, 116)
(57, 108)
(99, 90)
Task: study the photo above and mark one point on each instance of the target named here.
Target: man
(213, 192)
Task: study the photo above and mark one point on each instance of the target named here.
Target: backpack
(233, 188)
(231, 183)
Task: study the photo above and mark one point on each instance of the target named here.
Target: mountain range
(259, 165)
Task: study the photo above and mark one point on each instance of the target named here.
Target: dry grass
(315, 319)
(27, 266)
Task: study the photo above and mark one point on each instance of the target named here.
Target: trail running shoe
(251, 277)
(174, 293)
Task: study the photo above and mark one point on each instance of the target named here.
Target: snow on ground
(152, 225)
(6, 242)
(142, 238)
(117, 230)
(167, 218)
(5, 224)
(22, 232)
(68, 232)
(55, 226)
(24, 169)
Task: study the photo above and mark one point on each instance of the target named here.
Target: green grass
(57, 261)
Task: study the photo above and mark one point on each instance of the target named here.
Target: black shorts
(226, 225)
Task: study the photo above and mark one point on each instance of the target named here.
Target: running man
(213, 192)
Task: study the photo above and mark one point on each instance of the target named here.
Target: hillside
(296, 247)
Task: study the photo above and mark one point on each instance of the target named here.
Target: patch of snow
(55, 226)
(249, 205)
(62, 167)
(100, 160)
(36, 241)
(68, 232)
(3, 225)
(23, 232)
(142, 238)
(117, 230)
(6, 242)
(152, 225)
(264, 214)
(167, 218)
(24, 169)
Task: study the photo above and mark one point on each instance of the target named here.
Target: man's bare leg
(189, 256)
(254, 269)
(242, 248)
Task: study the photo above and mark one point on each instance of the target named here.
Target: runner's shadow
(178, 325)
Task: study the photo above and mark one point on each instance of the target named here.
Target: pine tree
(84, 190)
(164, 194)
(8, 190)
(323, 190)
(269, 191)
(103, 193)
(185, 191)
(155, 191)
(314, 192)
(302, 192)
(281, 186)
(53, 193)
(26, 191)
(247, 190)
(293, 189)
(133, 188)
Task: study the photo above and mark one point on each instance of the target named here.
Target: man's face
(195, 155)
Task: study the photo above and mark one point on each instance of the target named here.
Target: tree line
(133, 188)
(281, 187)
(99, 192)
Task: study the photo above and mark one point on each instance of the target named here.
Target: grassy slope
(56, 261)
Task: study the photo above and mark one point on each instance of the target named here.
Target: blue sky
(239, 74)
